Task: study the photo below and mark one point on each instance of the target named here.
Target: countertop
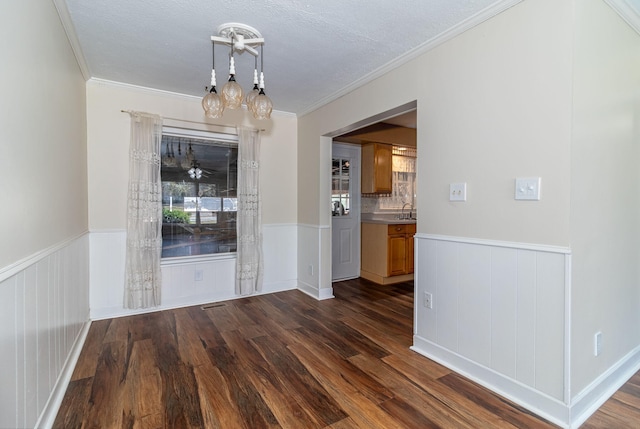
(389, 221)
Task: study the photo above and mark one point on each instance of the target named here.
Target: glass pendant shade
(232, 94)
(262, 106)
(251, 96)
(212, 104)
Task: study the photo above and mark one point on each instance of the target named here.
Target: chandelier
(239, 38)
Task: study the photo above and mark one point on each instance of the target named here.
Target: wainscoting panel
(314, 246)
(280, 256)
(189, 282)
(498, 312)
(44, 306)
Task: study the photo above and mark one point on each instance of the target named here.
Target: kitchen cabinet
(376, 168)
(400, 249)
(387, 252)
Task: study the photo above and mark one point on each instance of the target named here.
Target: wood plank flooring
(287, 360)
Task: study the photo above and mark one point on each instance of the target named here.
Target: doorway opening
(345, 242)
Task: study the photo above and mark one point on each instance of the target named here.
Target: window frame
(201, 135)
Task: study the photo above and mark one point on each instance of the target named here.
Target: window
(340, 197)
(199, 202)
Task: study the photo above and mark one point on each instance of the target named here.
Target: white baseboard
(587, 402)
(110, 312)
(50, 410)
(538, 403)
(314, 292)
(568, 416)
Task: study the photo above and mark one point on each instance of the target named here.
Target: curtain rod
(195, 122)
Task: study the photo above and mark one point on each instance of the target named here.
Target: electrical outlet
(597, 344)
(428, 300)
(198, 275)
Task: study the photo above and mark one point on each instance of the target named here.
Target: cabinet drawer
(401, 229)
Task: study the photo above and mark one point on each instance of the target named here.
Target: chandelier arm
(250, 44)
(252, 51)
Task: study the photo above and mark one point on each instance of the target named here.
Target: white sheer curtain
(144, 213)
(249, 264)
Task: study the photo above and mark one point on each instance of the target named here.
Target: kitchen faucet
(402, 215)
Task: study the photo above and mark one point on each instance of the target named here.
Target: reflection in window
(340, 182)
(199, 214)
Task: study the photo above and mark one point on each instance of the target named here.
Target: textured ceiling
(314, 50)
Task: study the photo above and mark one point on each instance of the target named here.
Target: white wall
(108, 148)
(494, 103)
(179, 285)
(522, 94)
(44, 272)
(108, 141)
(605, 202)
(42, 133)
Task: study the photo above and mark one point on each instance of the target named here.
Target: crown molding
(627, 12)
(154, 91)
(480, 17)
(70, 30)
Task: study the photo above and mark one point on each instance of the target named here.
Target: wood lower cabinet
(387, 252)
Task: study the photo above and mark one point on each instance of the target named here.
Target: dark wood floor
(287, 360)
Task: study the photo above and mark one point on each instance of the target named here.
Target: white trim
(279, 225)
(313, 292)
(72, 36)
(567, 329)
(404, 108)
(154, 91)
(199, 259)
(545, 406)
(23, 264)
(627, 12)
(108, 231)
(119, 311)
(602, 388)
(495, 243)
(480, 17)
(51, 408)
(230, 139)
(307, 225)
(325, 293)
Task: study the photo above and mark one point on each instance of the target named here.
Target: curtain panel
(249, 262)
(144, 213)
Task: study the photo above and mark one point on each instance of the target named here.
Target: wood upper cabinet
(376, 168)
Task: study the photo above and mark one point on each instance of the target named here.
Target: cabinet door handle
(398, 228)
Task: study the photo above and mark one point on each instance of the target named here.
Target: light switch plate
(528, 188)
(458, 192)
